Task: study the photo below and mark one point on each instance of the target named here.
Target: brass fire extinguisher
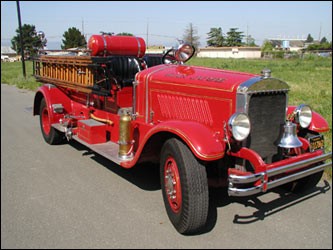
(125, 136)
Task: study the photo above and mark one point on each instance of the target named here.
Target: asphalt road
(67, 197)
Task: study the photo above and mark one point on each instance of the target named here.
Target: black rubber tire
(189, 213)
(306, 183)
(50, 134)
(309, 182)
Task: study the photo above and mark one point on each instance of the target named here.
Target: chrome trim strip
(105, 44)
(139, 46)
(135, 83)
(147, 91)
(262, 85)
(245, 85)
(298, 175)
(299, 164)
(243, 192)
(246, 178)
(242, 97)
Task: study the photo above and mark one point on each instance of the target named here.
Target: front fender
(318, 123)
(205, 143)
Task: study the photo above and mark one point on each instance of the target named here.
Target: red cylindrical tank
(103, 45)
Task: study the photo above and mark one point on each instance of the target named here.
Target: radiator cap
(266, 73)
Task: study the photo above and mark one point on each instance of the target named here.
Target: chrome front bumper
(235, 181)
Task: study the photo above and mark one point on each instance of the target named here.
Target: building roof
(292, 43)
(7, 50)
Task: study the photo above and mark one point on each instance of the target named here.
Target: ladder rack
(74, 72)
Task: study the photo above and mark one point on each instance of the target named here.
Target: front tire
(307, 183)
(184, 187)
(50, 134)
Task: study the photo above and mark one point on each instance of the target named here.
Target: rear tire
(184, 187)
(50, 134)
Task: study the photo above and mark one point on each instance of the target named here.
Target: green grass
(310, 80)
(12, 74)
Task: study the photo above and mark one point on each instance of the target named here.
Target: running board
(108, 149)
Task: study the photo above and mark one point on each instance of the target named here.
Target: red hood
(196, 77)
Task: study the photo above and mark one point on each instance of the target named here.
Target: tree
(234, 37)
(320, 46)
(190, 36)
(124, 34)
(309, 39)
(31, 42)
(250, 41)
(73, 39)
(323, 40)
(215, 37)
(267, 47)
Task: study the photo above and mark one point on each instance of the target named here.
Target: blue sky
(167, 20)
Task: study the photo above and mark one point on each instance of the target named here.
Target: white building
(8, 54)
(230, 52)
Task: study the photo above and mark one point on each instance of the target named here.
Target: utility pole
(82, 26)
(21, 38)
(85, 36)
(319, 33)
(147, 31)
(247, 35)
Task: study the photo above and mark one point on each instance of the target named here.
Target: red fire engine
(202, 125)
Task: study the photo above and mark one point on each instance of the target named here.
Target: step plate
(108, 149)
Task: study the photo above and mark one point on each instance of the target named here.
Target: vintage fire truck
(202, 125)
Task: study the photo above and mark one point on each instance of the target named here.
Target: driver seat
(124, 68)
(153, 59)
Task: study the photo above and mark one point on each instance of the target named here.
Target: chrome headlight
(239, 125)
(303, 115)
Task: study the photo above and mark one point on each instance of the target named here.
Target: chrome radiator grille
(267, 113)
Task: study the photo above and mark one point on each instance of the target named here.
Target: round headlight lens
(303, 115)
(239, 124)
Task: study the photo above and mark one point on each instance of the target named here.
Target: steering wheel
(169, 57)
(181, 55)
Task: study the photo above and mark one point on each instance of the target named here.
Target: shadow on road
(219, 198)
(146, 177)
(285, 200)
